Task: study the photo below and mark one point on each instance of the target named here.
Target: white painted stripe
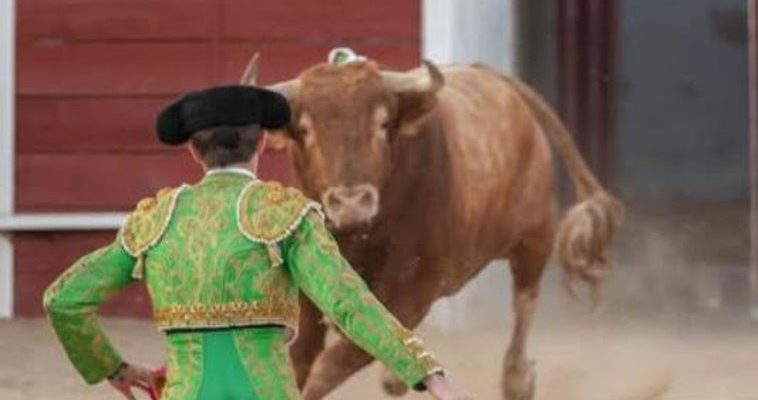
(61, 221)
(7, 133)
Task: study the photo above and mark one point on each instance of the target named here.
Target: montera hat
(232, 105)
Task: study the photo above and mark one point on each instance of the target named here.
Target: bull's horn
(250, 76)
(427, 79)
(285, 88)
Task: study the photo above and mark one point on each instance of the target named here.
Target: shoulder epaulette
(268, 212)
(145, 226)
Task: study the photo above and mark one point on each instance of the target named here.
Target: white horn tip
(250, 76)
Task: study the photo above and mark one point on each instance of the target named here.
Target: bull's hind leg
(310, 340)
(333, 366)
(527, 261)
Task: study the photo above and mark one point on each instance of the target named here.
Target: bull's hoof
(316, 389)
(392, 385)
(519, 381)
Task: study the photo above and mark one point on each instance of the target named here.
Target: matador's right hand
(441, 388)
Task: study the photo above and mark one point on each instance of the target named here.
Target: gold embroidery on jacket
(274, 311)
(145, 227)
(268, 213)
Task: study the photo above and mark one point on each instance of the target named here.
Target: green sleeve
(314, 260)
(71, 302)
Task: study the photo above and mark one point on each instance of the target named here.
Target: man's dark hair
(225, 145)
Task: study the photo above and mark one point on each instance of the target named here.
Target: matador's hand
(130, 376)
(441, 388)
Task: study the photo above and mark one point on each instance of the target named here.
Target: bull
(427, 176)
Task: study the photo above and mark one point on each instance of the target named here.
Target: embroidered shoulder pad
(145, 226)
(268, 212)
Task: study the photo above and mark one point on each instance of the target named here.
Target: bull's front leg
(333, 366)
(310, 340)
(343, 358)
(527, 263)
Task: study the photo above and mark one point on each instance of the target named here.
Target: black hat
(223, 105)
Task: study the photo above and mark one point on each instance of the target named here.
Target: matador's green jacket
(228, 252)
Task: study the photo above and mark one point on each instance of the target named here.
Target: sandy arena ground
(608, 355)
(674, 326)
(593, 361)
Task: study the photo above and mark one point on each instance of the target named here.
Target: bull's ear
(417, 95)
(413, 110)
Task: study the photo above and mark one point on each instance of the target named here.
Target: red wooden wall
(92, 74)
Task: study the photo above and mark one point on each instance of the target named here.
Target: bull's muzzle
(351, 205)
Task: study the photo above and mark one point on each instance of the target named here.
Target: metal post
(753, 70)
(587, 32)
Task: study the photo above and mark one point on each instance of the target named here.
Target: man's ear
(414, 108)
(277, 140)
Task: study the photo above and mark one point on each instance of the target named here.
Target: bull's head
(347, 120)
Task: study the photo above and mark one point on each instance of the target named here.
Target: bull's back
(502, 170)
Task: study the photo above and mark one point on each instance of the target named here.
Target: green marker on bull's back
(344, 55)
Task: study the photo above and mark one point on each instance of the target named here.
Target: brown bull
(426, 177)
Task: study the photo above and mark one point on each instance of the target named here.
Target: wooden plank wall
(93, 73)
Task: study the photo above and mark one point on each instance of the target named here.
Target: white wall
(470, 31)
(466, 31)
(7, 133)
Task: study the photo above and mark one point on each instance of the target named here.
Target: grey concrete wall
(683, 101)
(536, 51)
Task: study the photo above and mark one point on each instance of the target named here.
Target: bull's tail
(587, 229)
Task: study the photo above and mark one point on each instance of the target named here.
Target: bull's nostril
(348, 205)
(332, 201)
(366, 200)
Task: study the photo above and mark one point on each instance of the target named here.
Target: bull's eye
(382, 123)
(300, 132)
(304, 130)
(382, 131)
(305, 137)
